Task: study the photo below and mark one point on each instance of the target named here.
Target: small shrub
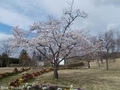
(15, 70)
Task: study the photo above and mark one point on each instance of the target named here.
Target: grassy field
(95, 78)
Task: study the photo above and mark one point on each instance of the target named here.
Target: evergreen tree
(24, 57)
(5, 58)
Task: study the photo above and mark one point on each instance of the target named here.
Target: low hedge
(76, 64)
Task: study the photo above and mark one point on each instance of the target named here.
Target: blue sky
(103, 14)
(5, 28)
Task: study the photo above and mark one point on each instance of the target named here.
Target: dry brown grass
(96, 78)
(88, 79)
(8, 69)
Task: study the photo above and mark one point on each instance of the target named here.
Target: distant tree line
(4, 60)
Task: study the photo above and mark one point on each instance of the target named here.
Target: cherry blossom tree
(56, 36)
(92, 52)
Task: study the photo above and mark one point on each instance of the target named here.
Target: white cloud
(87, 25)
(113, 26)
(53, 7)
(13, 19)
(25, 12)
(98, 18)
(4, 36)
(20, 12)
(107, 2)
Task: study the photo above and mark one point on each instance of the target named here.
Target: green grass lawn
(95, 78)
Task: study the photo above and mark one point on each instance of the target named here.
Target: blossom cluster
(34, 86)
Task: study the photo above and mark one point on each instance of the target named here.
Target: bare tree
(98, 56)
(5, 48)
(109, 45)
(118, 41)
(91, 51)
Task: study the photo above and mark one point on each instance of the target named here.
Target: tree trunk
(1, 63)
(101, 61)
(7, 62)
(88, 63)
(107, 66)
(98, 62)
(55, 69)
(114, 59)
